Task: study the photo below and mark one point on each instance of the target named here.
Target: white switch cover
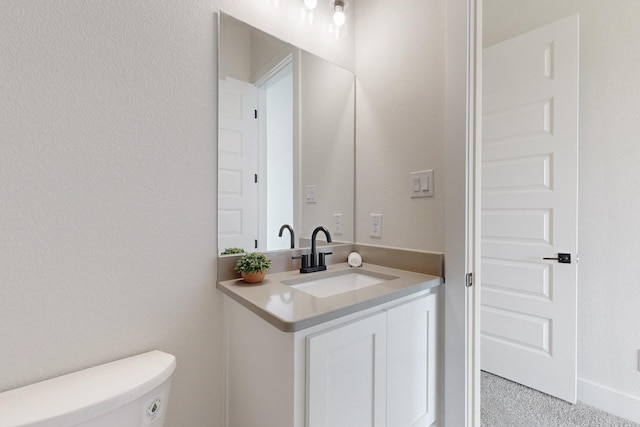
(312, 193)
(421, 183)
(415, 183)
(337, 223)
(375, 225)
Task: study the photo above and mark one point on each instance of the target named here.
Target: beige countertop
(291, 310)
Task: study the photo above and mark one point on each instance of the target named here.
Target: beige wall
(108, 185)
(327, 151)
(235, 49)
(609, 153)
(400, 120)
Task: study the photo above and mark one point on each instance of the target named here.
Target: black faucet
(291, 233)
(314, 262)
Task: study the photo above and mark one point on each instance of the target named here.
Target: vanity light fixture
(306, 10)
(337, 27)
(339, 18)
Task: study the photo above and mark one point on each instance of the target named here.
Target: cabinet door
(411, 363)
(346, 374)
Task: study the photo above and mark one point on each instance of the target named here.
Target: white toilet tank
(131, 392)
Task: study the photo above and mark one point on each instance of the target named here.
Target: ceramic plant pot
(253, 277)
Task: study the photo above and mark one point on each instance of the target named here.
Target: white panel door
(237, 165)
(346, 374)
(529, 208)
(411, 363)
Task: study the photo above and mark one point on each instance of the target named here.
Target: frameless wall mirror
(286, 130)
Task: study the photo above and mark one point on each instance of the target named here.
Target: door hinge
(255, 177)
(255, 114)
(468, 281)
(255, 244)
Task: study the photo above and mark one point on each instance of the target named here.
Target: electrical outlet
(337, 223)
(312, 193)
(375, 225)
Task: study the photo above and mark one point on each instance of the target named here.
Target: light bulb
(339, 17)
(310, 4)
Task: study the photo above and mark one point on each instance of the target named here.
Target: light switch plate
(421, 184)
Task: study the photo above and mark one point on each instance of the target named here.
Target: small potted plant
(253, 266)
(232, 251)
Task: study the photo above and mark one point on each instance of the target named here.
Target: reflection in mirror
(285, 142)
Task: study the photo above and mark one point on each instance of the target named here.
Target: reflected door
(276, 154)
(529, 208)
(237, 166)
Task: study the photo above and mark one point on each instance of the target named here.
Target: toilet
(131, 392)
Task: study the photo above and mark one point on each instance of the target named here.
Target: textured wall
(108, 185)
(400, 120)
(609, 231)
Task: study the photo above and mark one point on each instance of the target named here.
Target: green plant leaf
(253, 262)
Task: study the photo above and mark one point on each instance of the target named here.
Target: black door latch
(562, 258)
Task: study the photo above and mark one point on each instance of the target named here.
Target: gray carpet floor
(508, 404)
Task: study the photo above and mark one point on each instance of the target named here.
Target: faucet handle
(304, 260)
(321, 257)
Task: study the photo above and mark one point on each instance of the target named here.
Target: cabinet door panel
(411, 363)
(346, 373)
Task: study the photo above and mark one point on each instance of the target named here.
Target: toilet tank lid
(85, 394)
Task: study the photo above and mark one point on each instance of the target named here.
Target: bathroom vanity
(345, 347)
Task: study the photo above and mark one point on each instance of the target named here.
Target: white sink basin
(323, 285)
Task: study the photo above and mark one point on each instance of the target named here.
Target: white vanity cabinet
(411, 363)
(371, 368)
(346, 374)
